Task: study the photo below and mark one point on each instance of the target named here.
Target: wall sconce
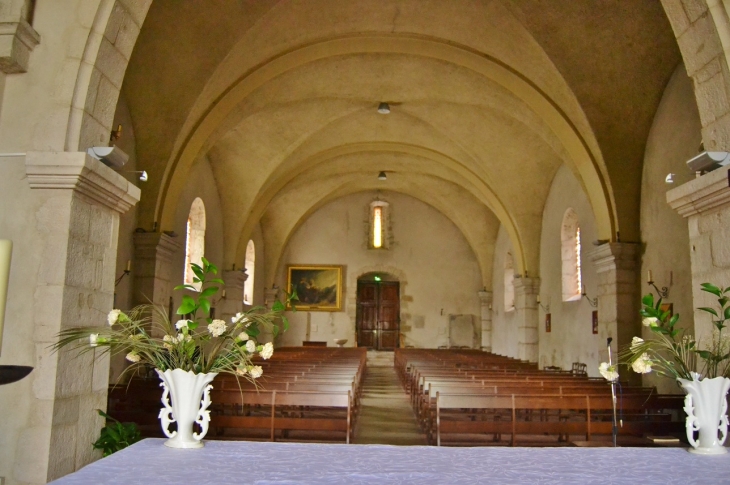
(544, 307)
(592, 301)
(664, 292)
(125, 273)
(142, 175)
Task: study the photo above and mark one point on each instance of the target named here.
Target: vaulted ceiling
(488, 100)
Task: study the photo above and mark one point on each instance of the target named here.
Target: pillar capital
(703, 194)
(17, 41)
(614, 255)
(82, 174)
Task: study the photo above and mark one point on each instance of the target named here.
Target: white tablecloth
(240, 462)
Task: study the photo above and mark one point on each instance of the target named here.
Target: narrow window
(250, 268)
(572, 280)
(195, 240)
(377, 227)
(378, 232)
(509, 283)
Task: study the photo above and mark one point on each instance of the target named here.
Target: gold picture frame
(318, 287)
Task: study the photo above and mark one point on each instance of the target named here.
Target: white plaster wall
(674, 138)
(437, 269)
(571, 338)
(504, 325)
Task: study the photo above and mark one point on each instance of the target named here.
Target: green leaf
(217, 280)
(284, 323)
(197, 270)
(196, 280)
(213, 268)
(205, 262)
(274, 331)
(185, 287)
(204, 304)
(673, 320)
(278, 306)
(727, 313)
(711, 289)
(705, 354)
(722, 301)
(188, 306)
(648, 300)
(709, 310)
(211, 290)
(193, 325)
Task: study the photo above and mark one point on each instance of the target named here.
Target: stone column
(485, 300)
(79, 201)
(618, 291)
(526, 317)
(270, 296)
(705, 202)
(233, 302)
(153, 270)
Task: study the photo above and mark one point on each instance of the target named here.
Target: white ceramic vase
(190, 395)
(706, 408)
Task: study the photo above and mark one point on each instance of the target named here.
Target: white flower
(93, 339)
(256, 371)
(241, 371)
(113, 317)
(180, 324)
(642, 365)
(133, 357)
(170, 339)
(635, 342)
(243, 336)
(650, 322)
(267, 351)
(236, 317)
(251, 346)
(217, 327)
(608, 371)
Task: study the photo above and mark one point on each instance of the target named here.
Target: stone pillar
(618, 291)
(526, 317)
(485, 300)
(233, 302)
(79, 201)
(270, 296)
(153, 270)
(705, 202)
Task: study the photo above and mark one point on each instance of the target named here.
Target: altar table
(242, 462)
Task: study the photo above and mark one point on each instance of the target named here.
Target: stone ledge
(701, 194)
(84, 175)
(17, 40)
(612, 256)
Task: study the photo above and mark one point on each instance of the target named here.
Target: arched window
(195, 240)
(250, 268)
(509, 283)
(570, 254)
(378, 235)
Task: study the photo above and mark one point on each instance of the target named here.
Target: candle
(538, 298)
(129, 266)
(6, 250)
(650, 278)
(224, 294)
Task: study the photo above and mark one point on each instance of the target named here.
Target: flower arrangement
(673, 353)
(198, 344)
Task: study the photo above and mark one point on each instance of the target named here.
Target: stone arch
(108, 48)
(702, 29)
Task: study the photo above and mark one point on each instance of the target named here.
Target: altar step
(386, 416)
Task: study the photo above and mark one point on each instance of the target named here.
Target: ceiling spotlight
(669, 178)
(383, 108)
(143, 176)
(382, 176)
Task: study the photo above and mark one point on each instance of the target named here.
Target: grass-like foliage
(194, 343)
(675, 354)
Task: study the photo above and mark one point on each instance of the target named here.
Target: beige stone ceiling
(488, 99)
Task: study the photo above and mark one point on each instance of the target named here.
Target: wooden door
(378, 314)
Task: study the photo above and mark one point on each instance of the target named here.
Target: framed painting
(318, 287)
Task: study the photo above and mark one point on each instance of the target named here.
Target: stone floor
(386, 416)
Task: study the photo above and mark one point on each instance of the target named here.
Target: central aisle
(386, 416)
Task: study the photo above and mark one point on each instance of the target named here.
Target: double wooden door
(378, 314)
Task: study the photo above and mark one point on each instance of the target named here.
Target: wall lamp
(592, 301)
(664, 292)
(544, 307)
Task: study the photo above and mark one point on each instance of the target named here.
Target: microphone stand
(613, 394)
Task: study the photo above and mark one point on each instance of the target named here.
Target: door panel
(378, 314)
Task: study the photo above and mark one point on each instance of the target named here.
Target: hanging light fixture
(383, 108)
(382, 176)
